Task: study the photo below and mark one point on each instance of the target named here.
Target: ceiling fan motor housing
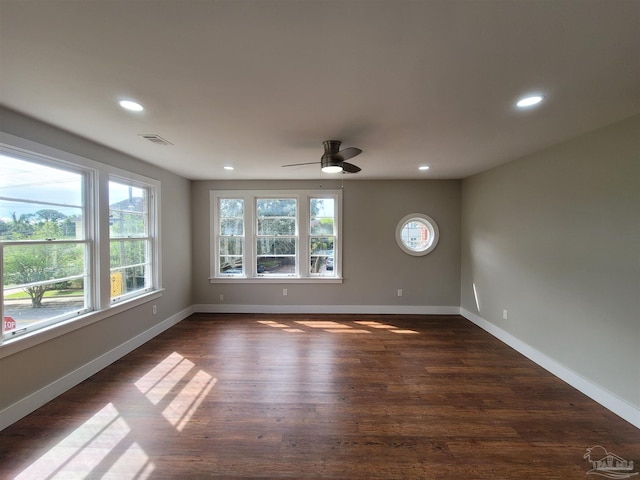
(329, 161)
(331, 148)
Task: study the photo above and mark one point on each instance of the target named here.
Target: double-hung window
(230, 238)
(322, 235)
(130, 238)
(60, 258)
(46, 251)
(276, 235)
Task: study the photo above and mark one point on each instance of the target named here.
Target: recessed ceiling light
(131, 105)
(529, 101)
(424, 167)
(228, 167)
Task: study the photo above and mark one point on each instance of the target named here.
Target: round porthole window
(417, 234)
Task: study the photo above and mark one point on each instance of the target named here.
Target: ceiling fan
(333, 160)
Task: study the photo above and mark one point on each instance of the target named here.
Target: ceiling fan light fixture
(332, 169)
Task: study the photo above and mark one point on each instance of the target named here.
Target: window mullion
(1, 295)
(337, 232)
(250, 226)
(302, 232)
(100, 229)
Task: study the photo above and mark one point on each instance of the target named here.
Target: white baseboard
(334, 309)
(605, 398)
(25, 406)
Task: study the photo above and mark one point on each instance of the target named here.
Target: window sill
(275, 279)
(11, 346)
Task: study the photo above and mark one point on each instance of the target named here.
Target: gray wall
(554, 238)
(374, 268)
(26, 372)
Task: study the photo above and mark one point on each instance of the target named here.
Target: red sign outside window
(9, 324)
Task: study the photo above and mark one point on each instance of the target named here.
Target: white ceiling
(259, 84)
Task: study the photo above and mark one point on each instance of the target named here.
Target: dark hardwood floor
(308, 396)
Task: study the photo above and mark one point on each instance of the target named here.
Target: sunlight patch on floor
(321, 324)
(285, 328)
(163, 377)
(345, 330)
(183, 406)
(385, 326)
(329, 326)
(166, 377)
(375, 325)
(96, 442)
(337, 327)
(273, 324)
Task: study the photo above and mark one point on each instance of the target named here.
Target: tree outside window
(44, 251)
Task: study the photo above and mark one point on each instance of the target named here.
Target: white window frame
(428, 223)
(151, 236)
(303, 268)
(242, 237)
(87, 240)
(254, 235)
(96, 224)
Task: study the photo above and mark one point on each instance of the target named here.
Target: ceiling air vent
(153, 138)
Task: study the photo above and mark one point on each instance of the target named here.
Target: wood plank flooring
(303, 397)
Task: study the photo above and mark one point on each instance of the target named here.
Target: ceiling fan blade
(297, 164)
(347, 153)
(350, 168)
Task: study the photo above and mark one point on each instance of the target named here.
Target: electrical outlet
(284, 292)
(505, 315)
(154, 309)
(221, 297)
(399, 292)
